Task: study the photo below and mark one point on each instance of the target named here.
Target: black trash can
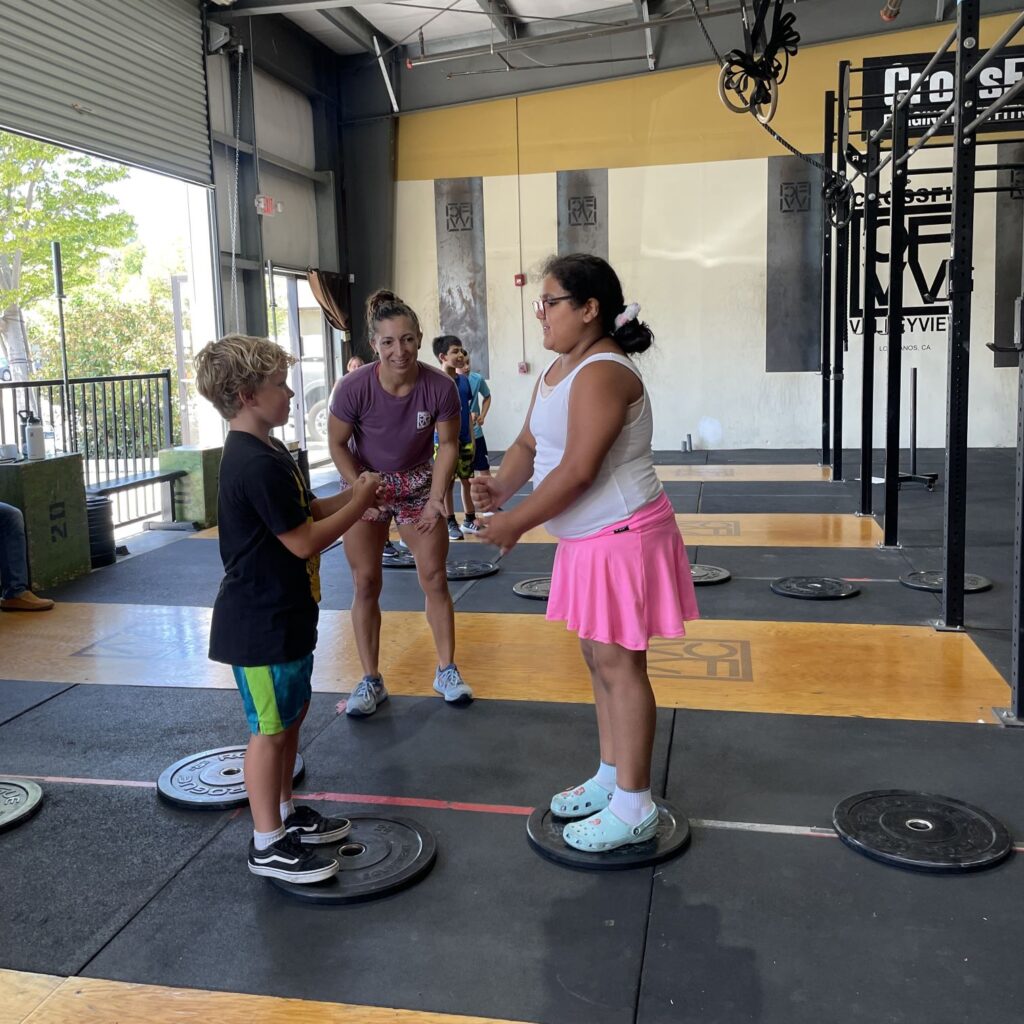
(101, 531)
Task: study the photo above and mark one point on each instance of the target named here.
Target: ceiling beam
(355, 26)
(253, 8)
(502, 18)
(714, 10)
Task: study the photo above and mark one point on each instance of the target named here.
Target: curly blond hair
(237, 365)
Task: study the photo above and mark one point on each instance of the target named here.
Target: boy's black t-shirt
(266, 610)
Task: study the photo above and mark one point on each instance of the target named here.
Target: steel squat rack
(888, 151)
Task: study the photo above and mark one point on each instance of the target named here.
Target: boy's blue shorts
(274, 695)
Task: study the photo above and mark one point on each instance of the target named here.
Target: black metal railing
(118, 424)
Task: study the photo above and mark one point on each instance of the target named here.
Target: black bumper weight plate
(536, 589)
(709, 575)
(921, 831)
(934, 580)
(469, 569)
(211, 781)
(401, 560)
(19, 800)
(814, 588)
(544, 830)
(379, 856)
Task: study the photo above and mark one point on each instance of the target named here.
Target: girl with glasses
(621, 573)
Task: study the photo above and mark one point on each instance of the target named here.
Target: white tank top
(626, 480)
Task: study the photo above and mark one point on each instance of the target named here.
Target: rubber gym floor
(118, 907)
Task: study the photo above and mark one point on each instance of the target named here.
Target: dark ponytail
(386, 305)
(589, 277)
(633, 337)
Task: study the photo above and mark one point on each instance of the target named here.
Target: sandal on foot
(580, 801)
(607, 831)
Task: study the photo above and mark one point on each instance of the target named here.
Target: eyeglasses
(541, 306)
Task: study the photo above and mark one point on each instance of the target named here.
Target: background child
(452, 356)
(478, 389)
(272, 531)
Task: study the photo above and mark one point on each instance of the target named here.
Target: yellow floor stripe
(908, 672)
(764, 530)
(21, 993)
(95, 1001)
(812, 530)
(743, 473)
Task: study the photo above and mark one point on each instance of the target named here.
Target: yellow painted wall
(669, 117)
(687, 233)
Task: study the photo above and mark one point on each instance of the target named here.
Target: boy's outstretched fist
(367, 489)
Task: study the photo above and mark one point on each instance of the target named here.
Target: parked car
(316, 395)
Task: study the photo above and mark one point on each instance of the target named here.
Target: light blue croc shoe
(606, 831)
(580, 801)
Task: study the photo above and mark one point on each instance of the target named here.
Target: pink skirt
(626, 583)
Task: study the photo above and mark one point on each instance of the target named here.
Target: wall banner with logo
(462, 265)
(793, 300)
(583, 212)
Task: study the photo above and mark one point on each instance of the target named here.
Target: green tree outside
(50, 194)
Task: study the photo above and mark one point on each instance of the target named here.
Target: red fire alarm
(520, 280)
(267, 206)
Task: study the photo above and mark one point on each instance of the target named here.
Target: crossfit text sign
(890, 76)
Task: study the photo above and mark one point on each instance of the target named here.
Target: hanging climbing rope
(750, 78)
(755, 78)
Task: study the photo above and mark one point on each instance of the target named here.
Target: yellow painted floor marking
(764, 530)
(96, 1001)
(908, 672)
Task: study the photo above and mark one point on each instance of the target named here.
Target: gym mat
(770, 563)
(18, 695)
(493, 752)
(988, 609)
(877, 603)
(793, 930)
(793, 769)
(82, 867)
(189, 575)
(726, 504)
(442, 945)
(495, 594)
(130, 732)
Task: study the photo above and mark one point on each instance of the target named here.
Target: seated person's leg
(14, 565)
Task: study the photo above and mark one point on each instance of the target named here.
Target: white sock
(265, 839)
(632, 806)
(606, 776)
(287, 808)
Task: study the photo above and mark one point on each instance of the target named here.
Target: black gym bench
(153, 476)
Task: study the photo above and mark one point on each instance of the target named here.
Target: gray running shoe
(366, 697)
(452, 686)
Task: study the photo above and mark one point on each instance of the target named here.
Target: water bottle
(33, 445)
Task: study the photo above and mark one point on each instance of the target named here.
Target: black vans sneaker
(288, 860)
(309, 826)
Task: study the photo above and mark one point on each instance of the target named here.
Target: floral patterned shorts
(405, 495)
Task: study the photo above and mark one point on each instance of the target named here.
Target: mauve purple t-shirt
(391, 434)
